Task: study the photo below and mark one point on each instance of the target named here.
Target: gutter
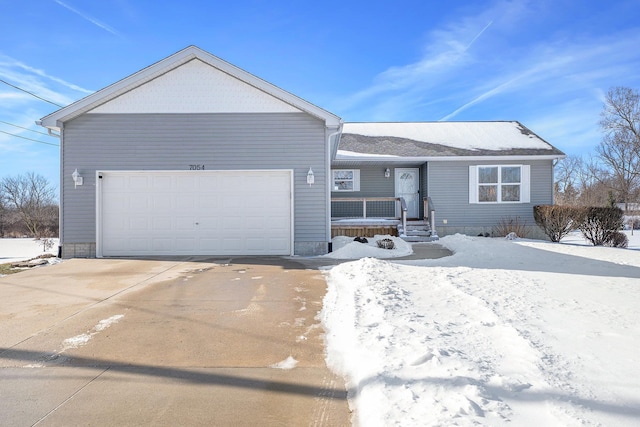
(329, 179)
(61, 186)
(49, 131)
(398, 159)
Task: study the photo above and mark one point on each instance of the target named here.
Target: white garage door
(195, 213)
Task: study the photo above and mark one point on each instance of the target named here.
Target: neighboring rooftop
(441, 139)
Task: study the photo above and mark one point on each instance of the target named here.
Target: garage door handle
(197, 223)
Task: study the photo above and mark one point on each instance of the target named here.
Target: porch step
(417, 231)
(419, 239)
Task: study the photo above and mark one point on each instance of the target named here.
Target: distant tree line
(611, 175)
(28, 207)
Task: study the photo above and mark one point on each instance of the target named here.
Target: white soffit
(195, 87)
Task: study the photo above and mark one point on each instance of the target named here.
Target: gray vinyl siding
(449, 191)
(226, 141)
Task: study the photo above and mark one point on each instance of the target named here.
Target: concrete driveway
(166, 342)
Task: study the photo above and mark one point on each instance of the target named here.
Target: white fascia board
(56, 119)
(396, 159)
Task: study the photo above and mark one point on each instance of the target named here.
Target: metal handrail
(403, 213)
(429, 214)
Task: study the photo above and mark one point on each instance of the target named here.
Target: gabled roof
(53, 120)
(421, 141)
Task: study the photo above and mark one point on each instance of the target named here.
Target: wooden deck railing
(398, 201)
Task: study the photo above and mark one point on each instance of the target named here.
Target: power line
(29, 139)
(30, 130)
(30, 93)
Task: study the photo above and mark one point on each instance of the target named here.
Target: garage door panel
(162, 183)
(163, 223)
(138, 182)
(187, 245)
(206, 213)
(137, 244)
(185, 224)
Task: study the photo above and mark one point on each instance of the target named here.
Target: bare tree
(32, 197)
(619, 150)
(3, 213)
(596, 187)
(568, 173)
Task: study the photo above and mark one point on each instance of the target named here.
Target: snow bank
(14, 250)
(346, 248)
(501, 333)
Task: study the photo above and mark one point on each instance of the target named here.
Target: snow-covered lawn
(12, 250)
(346, 248)
(519, 333)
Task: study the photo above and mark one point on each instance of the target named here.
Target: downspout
(59, 136)
(329, 179)
(60, 214)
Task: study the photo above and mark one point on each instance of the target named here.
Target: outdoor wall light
(387, 173)
(310, 177)
(77, 179)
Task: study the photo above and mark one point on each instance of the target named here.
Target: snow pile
(346, 248)
(83, 339)
(14, 250)
(501, 333)
(286, 364)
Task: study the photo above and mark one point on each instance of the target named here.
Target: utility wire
(30, 130)
(30, 93)
(29, 139)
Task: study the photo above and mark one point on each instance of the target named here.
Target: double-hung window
(499, 184)
(346, 179)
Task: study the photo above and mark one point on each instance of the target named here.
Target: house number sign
(196, 167)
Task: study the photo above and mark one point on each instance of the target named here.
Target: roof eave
(397, 159)
(57, 118)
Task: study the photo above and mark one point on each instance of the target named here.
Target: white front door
(408, 187)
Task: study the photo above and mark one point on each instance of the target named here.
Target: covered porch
(369, 216)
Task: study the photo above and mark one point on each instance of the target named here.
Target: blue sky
(545, 63)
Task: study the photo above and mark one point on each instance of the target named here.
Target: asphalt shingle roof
(441, 139)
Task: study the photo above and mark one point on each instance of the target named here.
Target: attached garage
(155, 213)
(194, 156)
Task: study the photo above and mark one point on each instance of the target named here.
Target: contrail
(89, 18)
(478, 35)
(487, 94)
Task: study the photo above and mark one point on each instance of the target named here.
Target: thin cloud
(572, 68)
(449, 50)
(473, 66)
(39, 82)
(89, 18)
(52, 78)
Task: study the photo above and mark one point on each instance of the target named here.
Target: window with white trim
(499, 184)
(345, 179)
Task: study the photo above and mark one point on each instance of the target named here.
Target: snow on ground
(346, 248)
(520, 333)
(13, 250)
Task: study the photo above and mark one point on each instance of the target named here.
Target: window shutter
(356, 180)
(473, 184)
(526, 184)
